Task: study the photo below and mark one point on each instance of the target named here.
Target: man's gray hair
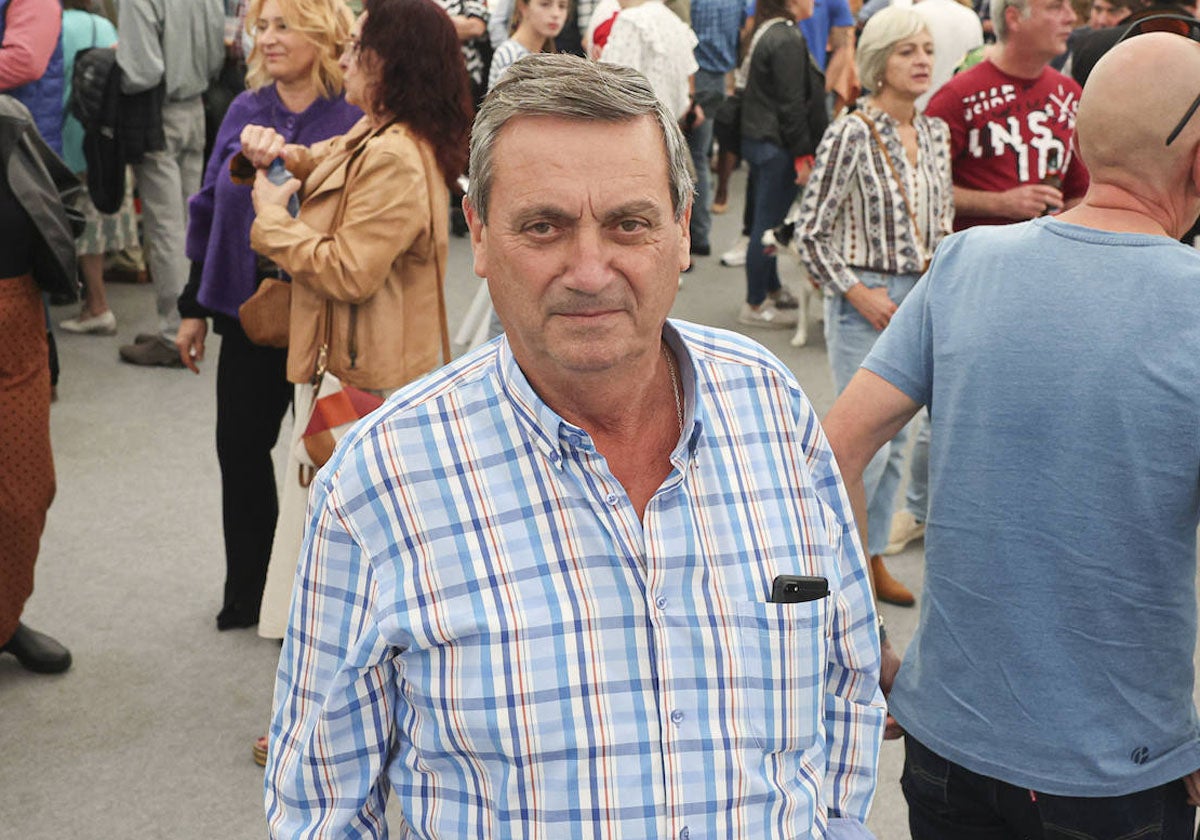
(556, 85)
(999, 23)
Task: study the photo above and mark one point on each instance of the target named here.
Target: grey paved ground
(149, 735)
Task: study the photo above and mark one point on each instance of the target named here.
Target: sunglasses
(1183, 25)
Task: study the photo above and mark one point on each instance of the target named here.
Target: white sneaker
(736, 255)
(766, 316)
(103, 324)
(905, 529)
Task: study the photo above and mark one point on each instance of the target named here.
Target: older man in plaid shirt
(598, 578)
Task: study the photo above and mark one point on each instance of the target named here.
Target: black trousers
(253, 396)
(946, 801)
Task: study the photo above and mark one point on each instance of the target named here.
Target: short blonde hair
(325, 23)
(883, 31)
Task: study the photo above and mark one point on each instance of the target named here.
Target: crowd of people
(609, 572)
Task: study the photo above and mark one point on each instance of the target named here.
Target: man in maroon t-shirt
(1012, 118)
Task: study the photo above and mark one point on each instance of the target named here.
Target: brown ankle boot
(887, 588)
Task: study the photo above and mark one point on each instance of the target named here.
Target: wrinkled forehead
(537, 154)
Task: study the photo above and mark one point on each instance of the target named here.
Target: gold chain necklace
(674, 386)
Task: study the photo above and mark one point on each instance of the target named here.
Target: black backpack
(96, 103)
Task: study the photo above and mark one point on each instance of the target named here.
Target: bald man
(1047, 692)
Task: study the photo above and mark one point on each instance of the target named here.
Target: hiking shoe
(156, 353)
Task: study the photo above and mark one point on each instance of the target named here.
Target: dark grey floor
(149, 734)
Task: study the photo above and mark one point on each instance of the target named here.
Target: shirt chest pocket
(782, 648)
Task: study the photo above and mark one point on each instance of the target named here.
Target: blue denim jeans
(946, 801)
(773, 181)
(916, 496)
(710, 91)
(849, 337)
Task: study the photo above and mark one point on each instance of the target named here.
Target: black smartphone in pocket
(798, 589)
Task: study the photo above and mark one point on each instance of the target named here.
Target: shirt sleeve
(855, 712)
(843, 829)
(790, 67)
(31, 35)
(826, 192)
(139, 50)
(386, 205)
(840, 14)
(500, 16)
(335, 692)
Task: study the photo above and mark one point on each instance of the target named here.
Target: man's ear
(685, 241)
(478, 238)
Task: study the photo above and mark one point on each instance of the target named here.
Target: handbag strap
(895, 177)
(741, 76)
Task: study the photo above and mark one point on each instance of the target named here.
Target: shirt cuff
(841, 828)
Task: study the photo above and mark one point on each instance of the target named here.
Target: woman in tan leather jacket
(369, 244)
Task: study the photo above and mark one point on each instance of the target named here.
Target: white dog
(782, 239)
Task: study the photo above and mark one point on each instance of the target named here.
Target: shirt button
(660, 602)
(291, 122)
(684, 834)
(677, 717)
(611, 498)
(574, 440)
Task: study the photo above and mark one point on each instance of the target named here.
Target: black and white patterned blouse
(475, 9)
(853, 214)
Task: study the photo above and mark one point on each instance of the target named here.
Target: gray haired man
(597, 578)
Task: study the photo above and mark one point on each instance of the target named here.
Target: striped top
(853, 214)
(482, 624)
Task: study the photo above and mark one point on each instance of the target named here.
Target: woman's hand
(804, 168)
(873, 304)
(189, 341)
(261, 145)
(266, 194)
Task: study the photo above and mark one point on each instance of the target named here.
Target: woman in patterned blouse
(879, 201)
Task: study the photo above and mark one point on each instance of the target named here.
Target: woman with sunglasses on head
(295, 85)
(366, 253)
(879, 201)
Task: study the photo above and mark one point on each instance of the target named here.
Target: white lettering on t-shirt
(1007, 137)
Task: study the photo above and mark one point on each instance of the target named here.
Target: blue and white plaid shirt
(482, 622)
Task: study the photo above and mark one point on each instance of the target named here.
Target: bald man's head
(1135, 96)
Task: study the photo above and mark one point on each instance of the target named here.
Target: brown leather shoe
(887, 588)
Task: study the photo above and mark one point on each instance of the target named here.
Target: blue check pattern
(483, 627)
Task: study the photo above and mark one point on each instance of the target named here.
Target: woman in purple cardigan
(295, 86)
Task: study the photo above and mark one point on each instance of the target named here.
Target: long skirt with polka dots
(26, 465)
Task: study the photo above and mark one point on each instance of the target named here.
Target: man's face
(581, 251)
(1105, 14)
(1044, 31)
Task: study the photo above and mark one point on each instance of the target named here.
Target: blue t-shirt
(1061, 366)
(826, 15)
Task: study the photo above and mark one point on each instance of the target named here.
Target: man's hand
(873, 304)
(266, 194)
(261, 145)
(1192, 782)
(189, 341)
(889, 665)
(1030, 201)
